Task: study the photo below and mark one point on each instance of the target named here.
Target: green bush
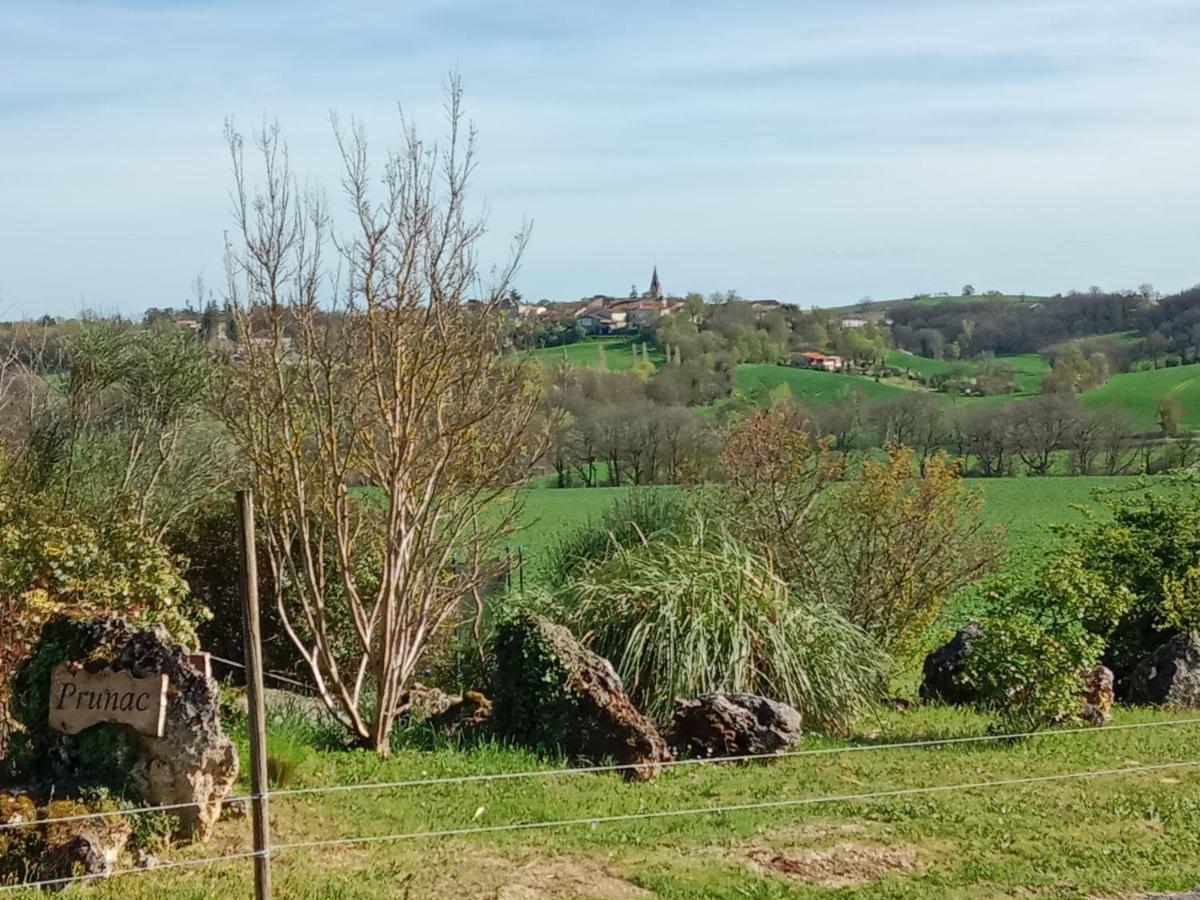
(532, 705)
(694, 611)
(1037, 640)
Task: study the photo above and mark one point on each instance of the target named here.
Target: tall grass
(631, 518)
(693, 611)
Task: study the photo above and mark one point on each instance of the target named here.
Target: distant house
(813, 360)
(602, 321)
(854, 322)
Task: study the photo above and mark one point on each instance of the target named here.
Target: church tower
(655, 292)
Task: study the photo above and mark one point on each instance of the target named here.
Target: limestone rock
(420, 702)
(194, 762)
(1169, 676)
(1096, 708)
(944, 669)
(718, 725)
(465, 714)
(552, 693)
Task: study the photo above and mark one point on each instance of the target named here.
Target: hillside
(808, 385)
(1138, 394)
(618, 353)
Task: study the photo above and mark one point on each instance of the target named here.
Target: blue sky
(810, 152)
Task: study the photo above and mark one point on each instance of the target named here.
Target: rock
(235, 809)
(193, 762)
(553, 694)
(1168, 676)
(1096, 708)
(420, 702)
(465, 714)
(719, 725)
(944, 669)
(145, 860)
(16, 807)
(82, 846)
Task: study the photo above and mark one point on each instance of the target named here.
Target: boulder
(721, 725)
(1169, 675)
(420, 702)
(553, 694)
(944, 669)
(1096, 708)
(193, 763)
(468, 713)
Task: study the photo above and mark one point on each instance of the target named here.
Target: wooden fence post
(254, 696)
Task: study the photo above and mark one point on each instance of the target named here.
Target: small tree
(383, 376)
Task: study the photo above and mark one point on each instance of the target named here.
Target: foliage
(693, 611)
(1037, 640)
(885, 541)
(52, 560)
(128, 429)
(1181, 601)
(1145, 539)
(631, 518)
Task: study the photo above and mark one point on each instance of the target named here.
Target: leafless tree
(381, 369)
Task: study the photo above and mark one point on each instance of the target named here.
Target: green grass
(809, 385)
(620, 353)
(1025, 507)
(1138, 394)
(1084, 838)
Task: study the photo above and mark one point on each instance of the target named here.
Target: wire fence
(649, 815)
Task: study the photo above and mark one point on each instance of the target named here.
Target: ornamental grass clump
(693, 611)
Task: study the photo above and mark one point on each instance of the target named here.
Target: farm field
(1103, 835)
(1138, 393)
(619, 353)
(1030, 367)
(1025, 507)
(808, 385)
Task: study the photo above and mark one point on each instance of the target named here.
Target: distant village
(599, 314)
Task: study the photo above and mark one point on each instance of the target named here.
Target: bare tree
(380, 370)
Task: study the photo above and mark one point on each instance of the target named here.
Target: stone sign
(79, 699)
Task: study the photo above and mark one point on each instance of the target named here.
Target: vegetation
(692, 611)
(393, 381)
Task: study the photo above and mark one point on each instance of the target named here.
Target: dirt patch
(842, 865)
(565, 879)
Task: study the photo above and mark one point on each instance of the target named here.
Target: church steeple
(655, 292)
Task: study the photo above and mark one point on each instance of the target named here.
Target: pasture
(1138, 393)
(618, 353)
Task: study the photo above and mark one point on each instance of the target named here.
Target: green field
(810, 385)
(1138, 394)
(619, 353)
(1025, 507)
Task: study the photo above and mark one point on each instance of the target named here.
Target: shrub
(1038, 639)
(885, 541)
(694, 611)
(636, 515)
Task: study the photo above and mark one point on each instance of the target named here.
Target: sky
(811, 152)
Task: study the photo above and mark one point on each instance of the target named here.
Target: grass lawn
(1138, 394)
(1104, 835)
(619, 353)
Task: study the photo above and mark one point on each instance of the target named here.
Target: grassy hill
(809, 385)
(1138, 394)
(619, 353)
